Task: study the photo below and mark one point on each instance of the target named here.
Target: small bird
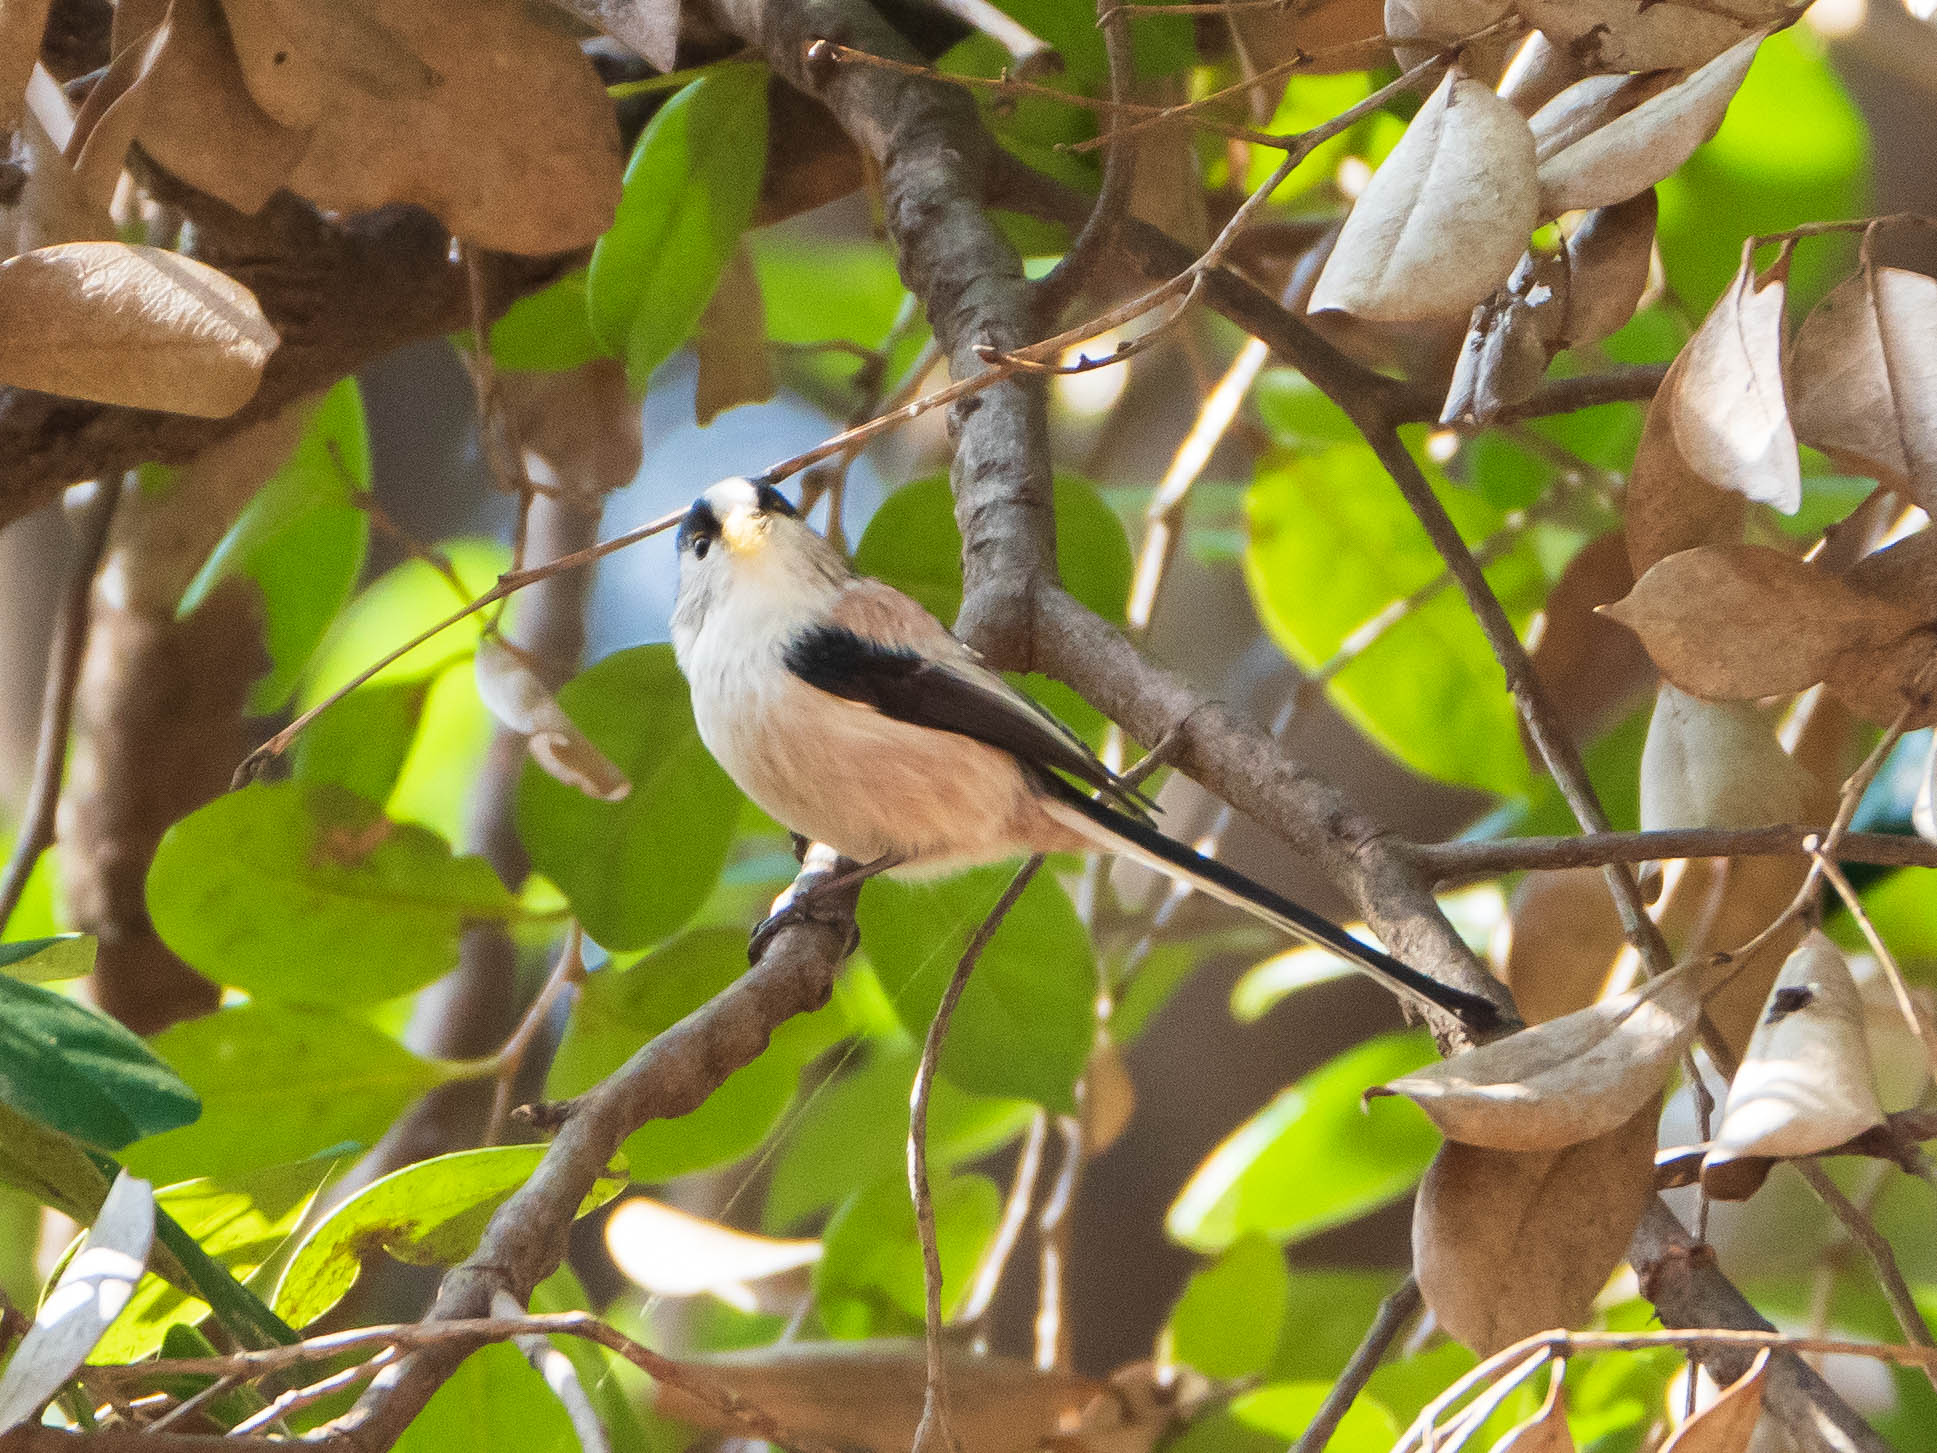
(854, 718)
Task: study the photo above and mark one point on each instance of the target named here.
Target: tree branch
(1461, 861)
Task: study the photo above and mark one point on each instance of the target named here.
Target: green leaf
(45, 960)
(853, 1130)
(397, 606)
(548, 331)
(818, 289)
(301, 539)
(1025, 1023)
(278, 1083)
(432, 1213)
(361, 743)
(1227, 1322)
(308, 893)
(868, 1281)
(49, 1166)
(1332, 547)
(454, 731)
(79, 1072)
(619, 1009)
(493, 1403)
(241, 1221)
(1326, 1314)
(690, 190)
(634, 871)
(1311, 1159)
(1286, 1409)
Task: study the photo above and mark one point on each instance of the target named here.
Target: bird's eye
(701, 546)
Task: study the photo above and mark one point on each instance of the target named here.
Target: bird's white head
(744, 550)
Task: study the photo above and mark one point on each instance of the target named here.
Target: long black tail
(1117, 832)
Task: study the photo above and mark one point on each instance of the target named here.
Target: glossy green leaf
(619, 1009)
(1326, 1313)
(240, 1220)
(1228, 1320)
(278, 1083)
(1026, 1021)
(634, 871)
(1286, 1409)
(301, 539)
(547, 331)
(690, 190)
(1332, 547)
(854, 1130)
(815, 289)
(494, 1403)
(45, 960)
(431, 1213)
(361, 743)
(1311, 1159)
(868, 1281)
(79, 1072)
(308, 893)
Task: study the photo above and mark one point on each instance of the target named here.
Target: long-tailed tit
(851, 715)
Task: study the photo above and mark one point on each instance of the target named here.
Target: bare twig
(1862, 1230)
(566, 974)
(1907, 1006)
(1461, 861)
(559, 1374)
(1098, 233)
(1394, 1313)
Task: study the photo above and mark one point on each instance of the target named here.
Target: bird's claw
(801, 908)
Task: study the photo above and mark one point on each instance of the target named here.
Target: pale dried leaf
(1586, 106)
(1608, 260)
(512, 692)
(1727, 1424)
(1569, 1080)
(1626, 155)
(1806, 1083)
(1731, 418)
(648, 28)
(1864, 375)
(296, 55)
(135, 326)
(1717, 764)
(869, 1395)
(1444, 219)
(1669, 507)
(89, 1295)
(1546, 1431)
(1266, 38)
(1508, 342)
(22, 23)
(1561, 940)
(581, 429)
(1420, 29)
(1109, 1098)
(105, 126)
(1644, 35)
(673, 1253)
(1538, 72)
(52, 207)
(1509, 1243)
(1735, 622)
(731, 343)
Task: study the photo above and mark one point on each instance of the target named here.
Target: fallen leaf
(1564, 1082)
(1509, 1243)
(1717, 764)
(1736, 622)
(512, 692)
(673, 1253)
(1864, 376)
(90, 1294)
(1806, 1083)
(1559, 943)
(1442, 222)
(128, 325)
(731, 343)
(1508, 342)
(1546, 1431)
(1647, 142)
(1727, 1424)
(1643, 35)
(1609, 256)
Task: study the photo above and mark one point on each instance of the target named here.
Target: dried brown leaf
(1569, 1080)
(1508, 342)
(1864, 375)
(580, 429)
(1592, 667)
(1806, 1083)
(1444, 219)
(1717, 764)
(1669, 507)
(22, 23)
(1419, 29)
(1267, 38)
(1560, 940)
(135, 326)
(1624, 156)
(1509, 1243)
(674, 1253)
(1546, 1431)
(1109, 1097)
(1904, 573)
(1643, 35)
(1538, 72)
(1727, 1424)
(105, 126)
(1735, 622)
(731, 342)
(1608, 260)
(296, 55)
(512, 692)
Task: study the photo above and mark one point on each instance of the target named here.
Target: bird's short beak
(744, 532)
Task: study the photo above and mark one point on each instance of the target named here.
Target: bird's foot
(807, 907)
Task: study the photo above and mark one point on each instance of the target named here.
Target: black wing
(905, 685)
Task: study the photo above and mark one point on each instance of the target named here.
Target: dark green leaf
(1312, 1158)
(1227, 1322)
(81, 1073)
(868, 1281)
(1027, 1019)
(690, 190)
(548, 331)
(45, 960)
(619, 1009)
(279, 1083)
(309, 893)
(634, 871)
(494, 1403)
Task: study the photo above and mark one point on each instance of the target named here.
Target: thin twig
(297, 1398)
(57, 696)
(1862, 1230)
(568, 972)
(1015, 1215)
(1394, 1313)
(195, 1402)
(1907, 1006)
(1461, 861)
(559, 1374)
(1052, 1227)
(1099, 230)
(935, 1430)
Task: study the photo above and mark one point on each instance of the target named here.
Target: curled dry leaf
(1653, 134)
(1669, 506)
(1728, 1424)
(1864, 376)
(1569, 1080)
(1904, 572)
(731, 343)
(1509, 1243)
(1444, 219)
(105, 125)
(1643, 35)
(1559, 942)
(135, 326)
(1508, 342)
(1609, 256)
(580, 429)
(1806, 1083)
(673, 1253)
(869, 1395)
(513, 694)
(1546, 1431)
(1717, 764)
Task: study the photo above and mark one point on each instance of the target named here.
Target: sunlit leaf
(871, 1268)
(1227, 1322)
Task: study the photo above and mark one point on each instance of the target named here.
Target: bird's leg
(803, 899)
